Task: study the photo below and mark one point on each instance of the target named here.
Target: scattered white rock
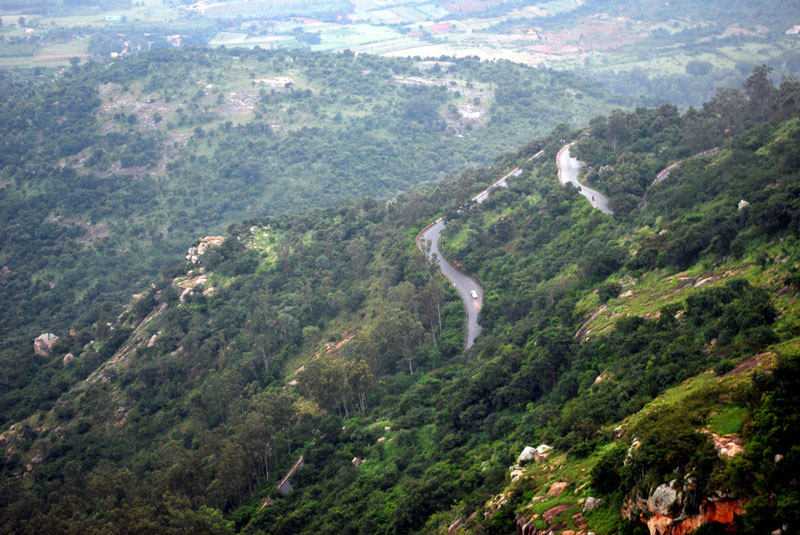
(743, 204)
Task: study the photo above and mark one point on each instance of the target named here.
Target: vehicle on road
(474, 294)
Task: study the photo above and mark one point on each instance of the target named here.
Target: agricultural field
(658, 53)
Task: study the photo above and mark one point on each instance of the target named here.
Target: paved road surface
(568, 168)
(462, 282)
(664, 173)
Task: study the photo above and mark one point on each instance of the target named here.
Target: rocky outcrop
(187, 286)
(195, 253)
(526, 455)
(537, 454)
(68, 358)
(726, 445)
(529, 453)
(495, 504)
(43, 344)
(672, 509)
(722, 511)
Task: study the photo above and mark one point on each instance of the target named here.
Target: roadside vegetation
(329, 336)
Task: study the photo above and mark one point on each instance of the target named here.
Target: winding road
(568, 169)
(428, 242)
(664, 173)
(463, 283)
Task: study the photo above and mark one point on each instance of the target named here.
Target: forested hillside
(655, 351)
(108, 171)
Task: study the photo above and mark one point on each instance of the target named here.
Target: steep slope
(108, 170)
(322, 338)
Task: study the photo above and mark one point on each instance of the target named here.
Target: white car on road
(474, 294)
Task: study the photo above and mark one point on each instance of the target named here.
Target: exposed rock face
(723, 511)
(672, 509)
(662, 500)
(516, 472)
(554, 512)
(495, 504)
(43, 344)
(543, 452)
(452, 528)
(187, 286)
(68, 358)
(526, 525)
(539, 453)
(528, 454)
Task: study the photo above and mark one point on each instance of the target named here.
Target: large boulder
(527, 455)
(662, 499)
(542, 452)
(537, 454)
(43, 344)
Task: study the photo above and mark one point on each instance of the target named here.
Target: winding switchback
(569, 167)
(428, 242)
